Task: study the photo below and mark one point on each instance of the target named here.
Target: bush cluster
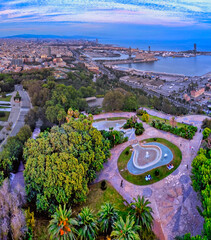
(114, 137)
(132, 123)
(187, 132)
(12, 152)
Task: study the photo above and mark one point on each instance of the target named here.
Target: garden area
(180, 129)
(158, 173)
(95, 199)
(5, 98)
(132, 123)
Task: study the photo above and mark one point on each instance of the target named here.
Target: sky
(110, 20)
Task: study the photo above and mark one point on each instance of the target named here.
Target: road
(17, 114)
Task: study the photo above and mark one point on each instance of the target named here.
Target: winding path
(173, 199)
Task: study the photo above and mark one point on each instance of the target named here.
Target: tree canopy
(61, 163)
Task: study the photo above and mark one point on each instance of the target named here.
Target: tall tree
(87, 224)
(142, 212)
(113, 100)
(63, 226)
(108, 215)
(126, 230)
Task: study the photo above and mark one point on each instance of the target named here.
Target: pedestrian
(187, 166)
(121, 185)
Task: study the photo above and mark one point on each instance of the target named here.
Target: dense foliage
(206, 123)
(6, 82)
(63, 225)
(206, 133)
(132, 123)
(108, 222)
(66, 159)
(120, 99)
(201, 172)
(12, 152)
(51, 102)
(114, 137)
(186, 132)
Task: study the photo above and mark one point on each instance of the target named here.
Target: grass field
(5, 118)
(1, 128)
(6, 99)
(95, 199)
(164, 172)
(4, 107)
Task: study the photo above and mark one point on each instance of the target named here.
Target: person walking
(121, 184)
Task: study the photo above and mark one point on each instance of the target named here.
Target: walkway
(17, 114)
(17, 178)
(173, 199)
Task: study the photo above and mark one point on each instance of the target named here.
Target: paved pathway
(173, 199)
(17, 178)
(17, 114)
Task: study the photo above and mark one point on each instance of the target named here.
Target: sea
(159, 45)
(192, 66)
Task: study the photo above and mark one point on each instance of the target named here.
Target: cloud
(174, 12)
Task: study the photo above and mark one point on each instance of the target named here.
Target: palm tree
(62, 226)
(142, 212)
(126, 230)
(87, 224)
(108, 215)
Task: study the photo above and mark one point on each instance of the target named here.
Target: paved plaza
(173, 199)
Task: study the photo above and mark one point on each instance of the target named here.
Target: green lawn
(1, 128)
(95, 199)
(4, 107)
(151, 118)
(110, 119)
(5, 118)
(6, 99)
(164, 172)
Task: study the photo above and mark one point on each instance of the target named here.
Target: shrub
(2, 114)
(145, 117)
(157, 172)
(140, 112)
(103, 185)
(186, 132)
(127, 152)
(132, 123)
